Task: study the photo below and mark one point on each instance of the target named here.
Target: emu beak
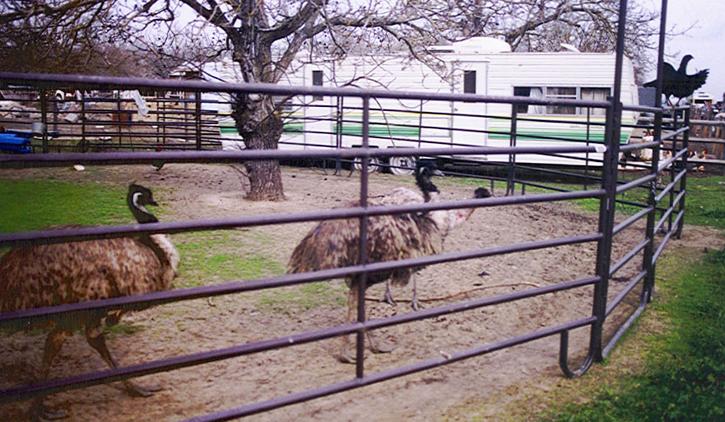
(437, 172)
(152, 202)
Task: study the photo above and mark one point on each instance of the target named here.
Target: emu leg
(96, 339)
(345, 356)
(388, 298)
(53, 344)
(414, 303)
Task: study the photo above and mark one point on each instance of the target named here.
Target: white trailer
(483, 66)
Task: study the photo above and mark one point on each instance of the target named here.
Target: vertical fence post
(648, 265)
(338, 132)
(673, 167)
(510, 184)
(363, 247)
(420, 124)
(84, 141)
(197, 114)
(119, 116)
(607, 205)
(683, 181)
(588, 135)
(44, 119)
(162, 116)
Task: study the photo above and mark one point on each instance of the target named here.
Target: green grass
(685, 372)
(219, 256)
(123, 329)
(705, 199)
(214, 257)
(36, 204)
(305, 297)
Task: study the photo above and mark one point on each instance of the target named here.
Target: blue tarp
(12, 142)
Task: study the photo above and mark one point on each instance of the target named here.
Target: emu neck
(160, 253)
(141, 214)
(683, 66)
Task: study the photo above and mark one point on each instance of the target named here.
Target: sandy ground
(199, 191)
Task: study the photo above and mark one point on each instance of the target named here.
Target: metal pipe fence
(663, 208)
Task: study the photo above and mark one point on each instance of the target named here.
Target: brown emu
(48, 275)
(335, 243)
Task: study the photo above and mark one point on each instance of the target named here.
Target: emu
(335, 243)
(49, 275)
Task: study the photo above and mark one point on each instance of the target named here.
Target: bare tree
(266, 37)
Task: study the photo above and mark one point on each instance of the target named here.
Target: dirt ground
(205, 191)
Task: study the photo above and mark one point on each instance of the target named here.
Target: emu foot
(42, 412)
(379, 346)
(388, 298)
(414, 305)
(346, 356)
(135, 390)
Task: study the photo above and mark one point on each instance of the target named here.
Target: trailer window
(560, 93)
(469, 81)
(533, 92)
(595, 94)
(317, 81)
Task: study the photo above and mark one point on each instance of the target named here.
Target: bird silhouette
(677, 83)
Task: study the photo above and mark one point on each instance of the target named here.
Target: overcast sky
(705, 41)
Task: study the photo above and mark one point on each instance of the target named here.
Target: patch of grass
(705, 201)
(123, 329)
(306, 296)
(216, 256)
(684, 375)
(35, 204)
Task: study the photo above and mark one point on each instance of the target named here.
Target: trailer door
(469, 125)
(319, 112)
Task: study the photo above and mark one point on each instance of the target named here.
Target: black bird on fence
(677, 83)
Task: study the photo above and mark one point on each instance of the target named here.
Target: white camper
(483, 66)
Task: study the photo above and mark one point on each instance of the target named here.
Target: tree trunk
(261, 127)
(265, 180)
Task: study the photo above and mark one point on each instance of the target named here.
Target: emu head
(424, 170)
(480, 193)
(138, 197)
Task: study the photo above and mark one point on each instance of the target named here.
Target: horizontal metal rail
(627, 257)
(116, 158)
(667, 237)
(87, 233)
(676, 133)
(109, 82)
(622, 329)
(666, 214)
(158, 298)
(163, 365)
(635, 183)
(638, 146)
(268, 405)
(202, 130)
(671, 185)
(617, 300)
(665, 164)
(631, 220)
